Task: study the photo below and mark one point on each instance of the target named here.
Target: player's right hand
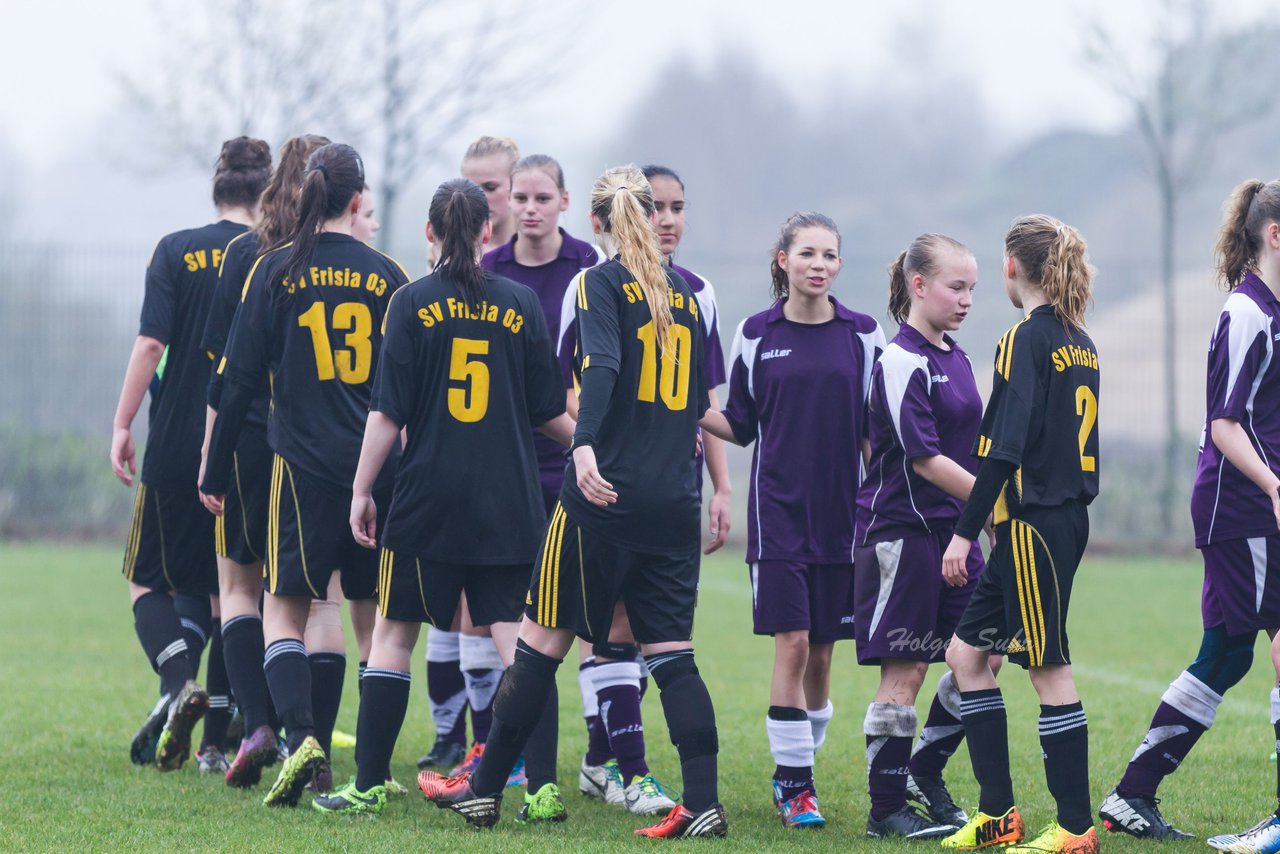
(955, 561)
(122, 454)
(213, 503)
(594, 488)
(364, 520)
(1275, 505)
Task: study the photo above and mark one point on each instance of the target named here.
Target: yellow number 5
(471, 403)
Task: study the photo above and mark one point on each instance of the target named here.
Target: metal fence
(69, 314)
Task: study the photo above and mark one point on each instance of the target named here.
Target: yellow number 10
(1087, 409)
(674, 387)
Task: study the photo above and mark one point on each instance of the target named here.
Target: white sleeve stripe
(1245, 322)
(745, 348)
(707, 305)
(568, 304)
(897, 366)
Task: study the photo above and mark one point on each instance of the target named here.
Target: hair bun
(244, 153)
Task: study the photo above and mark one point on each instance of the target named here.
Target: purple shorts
(904, 609)
(787, 596)
(1242, 584)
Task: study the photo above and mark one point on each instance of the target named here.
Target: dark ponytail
(781, 284)
(334, 176)
(899, 294)
(1252, 205)
(458, 213)
(244, 165)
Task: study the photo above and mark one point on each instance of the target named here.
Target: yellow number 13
(353, 363)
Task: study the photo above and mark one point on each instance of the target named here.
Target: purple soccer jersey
(799, 391)
(550, 282)
(1243, 383)
(924, 402)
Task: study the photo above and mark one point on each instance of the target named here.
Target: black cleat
(908, 823)
(1137, 816)
(142, 750)
(931, 793)
(455, 793)
(443, 754)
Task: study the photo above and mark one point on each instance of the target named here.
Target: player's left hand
(718, 513)
(364, 520)
(122, 455)
(955, 561)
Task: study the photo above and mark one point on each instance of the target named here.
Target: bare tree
(1195, 87)
(438, 65)
(265, 69)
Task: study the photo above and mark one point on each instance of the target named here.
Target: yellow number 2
(1087, 409)
(354, 362)
(469, 404)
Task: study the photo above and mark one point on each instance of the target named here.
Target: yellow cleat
(1056, 838)
(984, 831)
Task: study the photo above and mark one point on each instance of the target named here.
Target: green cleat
(351, 801)
(302, 766)
(185, 712)
(543, 805)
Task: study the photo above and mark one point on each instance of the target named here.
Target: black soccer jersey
(237, 261)
(647, 436)
(1043, 414)
(468, 382)
(319, 337)
(180, 284)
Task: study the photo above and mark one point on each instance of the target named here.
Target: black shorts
(309, 537)
(418, 590)
(1019, 607)
(579, 577)
(170, 543)
(240, 533)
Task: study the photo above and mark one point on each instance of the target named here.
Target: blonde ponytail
(1054, 256)
(623, 202)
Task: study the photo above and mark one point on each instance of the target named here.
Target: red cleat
(682, 824)
(455, 793)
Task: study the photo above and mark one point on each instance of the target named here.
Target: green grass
(74, 686)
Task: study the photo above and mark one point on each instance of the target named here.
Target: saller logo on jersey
(774, 354)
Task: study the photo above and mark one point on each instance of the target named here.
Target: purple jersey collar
(1256, 288)
(775, 311)
(917, 339)
(569, 248)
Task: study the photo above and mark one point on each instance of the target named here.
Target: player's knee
(614, 651)
(668, 668)
(963, 659)
(1223, 659)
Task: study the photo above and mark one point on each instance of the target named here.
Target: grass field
(74, 686)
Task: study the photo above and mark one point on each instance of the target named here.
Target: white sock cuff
(1275, 706)
(611, 674)
(587, 687)
(790, 742)
(890, 719)
(478, 653)
(442, 646)
(1193, 698)
(949, 694)
(822, 715)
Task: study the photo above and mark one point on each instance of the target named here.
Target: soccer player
(311, 320)
(544, 257)
(800, 376)
(1235, 510)
(467, 368)
(240, 533)
(170, 547)
(627, 517)
(463, 670)
(1039, 471)
(925, 413)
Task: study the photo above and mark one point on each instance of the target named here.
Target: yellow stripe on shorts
(135, 532)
